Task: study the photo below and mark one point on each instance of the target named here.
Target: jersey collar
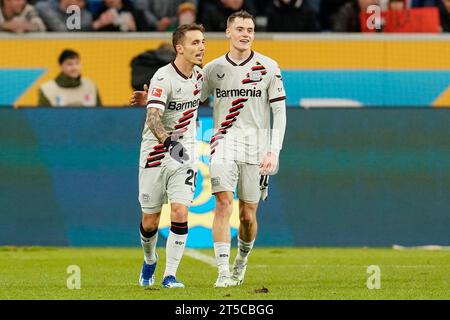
(242, 63)
(179, 72)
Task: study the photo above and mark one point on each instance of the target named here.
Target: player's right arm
(157, 97)
(154, 122)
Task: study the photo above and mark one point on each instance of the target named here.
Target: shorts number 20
(191, 174)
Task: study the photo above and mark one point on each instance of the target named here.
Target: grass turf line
(287, 273)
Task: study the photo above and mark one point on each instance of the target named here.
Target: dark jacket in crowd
(445, 17)
(213, 15)
(295, 16)
(347, 19)
(127, 6)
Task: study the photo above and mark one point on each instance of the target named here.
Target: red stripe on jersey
(232, 115)
(182, 125)
(216, 137)
(196, 92)
(187, 117)
(158, 146)
(214, 144)
(260, 67)
(237, 101)
(227, 123)
(158, 151)
(236, 108)
(199, 76)
(245, 81)
(153, 164)
(154, 158)
(227, 127)
(212, 151)
(189, 111)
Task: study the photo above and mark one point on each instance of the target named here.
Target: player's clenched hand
(139, 98)
(176, 150)
(268, 164)
(177, 133)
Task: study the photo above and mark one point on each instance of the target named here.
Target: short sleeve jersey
(178, 97)
(242, 96)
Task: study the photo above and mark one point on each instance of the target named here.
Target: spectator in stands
(160, 15)
(215, 13)
(186, 13)
(118, 15)
(145, 65)
(397, 5)
(291, 16)
(326, 10)
(18, 16)
(444, 10)
(424, 3)
(348, 19)
(54, 14)
(69, 88)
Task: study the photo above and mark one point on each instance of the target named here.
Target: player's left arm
(277, 101)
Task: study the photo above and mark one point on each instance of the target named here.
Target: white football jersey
(242, 96)
(179, 97)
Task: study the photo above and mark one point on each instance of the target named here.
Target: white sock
(174, 251)
(149, 246)
(222, 253)
(244, 249)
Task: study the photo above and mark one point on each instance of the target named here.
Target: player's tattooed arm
(153, 120)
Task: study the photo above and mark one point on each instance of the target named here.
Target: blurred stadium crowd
(20, 16)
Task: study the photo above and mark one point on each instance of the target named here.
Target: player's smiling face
(241, 33)
(193, 47)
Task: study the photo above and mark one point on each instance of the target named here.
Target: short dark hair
(180, 33)
(240, 14)
(67, 54)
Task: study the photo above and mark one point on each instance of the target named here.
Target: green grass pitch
(287, 273)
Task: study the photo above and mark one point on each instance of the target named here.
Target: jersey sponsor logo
(238, 93)
(220, 76)
(157, 92)
(176, 106)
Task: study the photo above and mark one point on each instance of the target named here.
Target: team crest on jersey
(157, 92)
(255, 76)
